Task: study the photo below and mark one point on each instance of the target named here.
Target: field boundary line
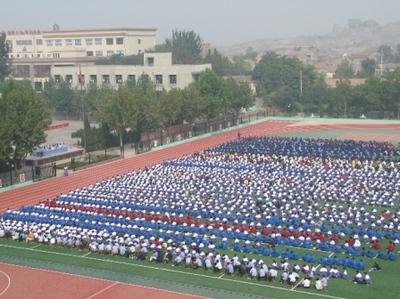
(102, 279)
(169, 270)
(8, 283)
(103, 290)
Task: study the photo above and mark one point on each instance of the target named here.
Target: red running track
(25, 282)
(51, 188)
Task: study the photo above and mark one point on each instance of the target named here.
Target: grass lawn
(201, 282)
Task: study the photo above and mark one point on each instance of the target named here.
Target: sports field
(93, 275)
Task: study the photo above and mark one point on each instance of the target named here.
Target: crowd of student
(49, 149)
(257, 196)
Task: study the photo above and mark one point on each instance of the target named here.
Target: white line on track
(171, 271)
(103, 279)
(221, 275)
(103, 290)
(86, 254)
(36, 246)
(8, 282)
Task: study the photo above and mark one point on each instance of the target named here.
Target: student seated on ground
(375, 267)
(358, 278)
(321, 284)
(306, 283)
(253, 273)
(293, 278)
(285, 277)
(273, 274)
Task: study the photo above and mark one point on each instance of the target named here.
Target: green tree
(250, 54)
(279, 79)
(185, 47)
(239, 97)
(24, 116)
(316, 98)
(61, 97)
(344, 70)
(117, 108)
(368, 66)
(386, 52)
(5, 64)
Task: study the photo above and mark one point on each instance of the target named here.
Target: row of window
(105, 79)
(76, 42)
(100, 53)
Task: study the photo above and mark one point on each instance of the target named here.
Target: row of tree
(293, 87)
(138, 107)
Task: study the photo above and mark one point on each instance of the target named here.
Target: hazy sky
(221, 22)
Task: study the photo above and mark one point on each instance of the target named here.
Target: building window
(24, 42)
(119, 40)
(118, 79)
(56, 55)
(99, 53)
(22, 71)
(109, 41)
(150, 61)
(38, 86)
(98, 41)
(68, 79)
(120, 52)
(139, 41)
(93, 79)
(39, 42)
(131, 78)
(109, 53)
(57, 78)
(159, 79)
(68, 42)
(58, 42)
(41, 71)
(78, 42)
(106, 79)
(49, 42)
(195, 76)
(89, 41)
(89, 53)
(172, 79)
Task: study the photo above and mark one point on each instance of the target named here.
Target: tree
(316, 98)
(24, 116)
(279, 79)
(387, 53)
(223, 66)
(61, 97)
(5, 64)
(170, 104)
(344, 70)
(185, 47)
(250, 54)
(368, 67)
(239, 97)
(118, 110)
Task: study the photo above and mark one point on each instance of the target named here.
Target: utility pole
(81, 81)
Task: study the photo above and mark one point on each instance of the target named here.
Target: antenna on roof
(56, 27)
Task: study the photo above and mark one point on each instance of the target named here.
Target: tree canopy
(24, 117)
(5, 64)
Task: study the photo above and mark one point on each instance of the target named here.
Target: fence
(184, 131)
(28, 173)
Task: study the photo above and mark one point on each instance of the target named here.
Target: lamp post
(10, 167)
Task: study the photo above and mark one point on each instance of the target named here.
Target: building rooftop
(32, 32)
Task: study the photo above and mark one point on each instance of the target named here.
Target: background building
(63, 54)
(158, 66)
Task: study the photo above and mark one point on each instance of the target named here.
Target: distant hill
(356, 38)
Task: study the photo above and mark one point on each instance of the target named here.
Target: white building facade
(158, 66)
(36, 56)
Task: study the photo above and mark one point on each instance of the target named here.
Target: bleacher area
(317, 210)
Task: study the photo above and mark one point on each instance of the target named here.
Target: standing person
(66, 170)
(238, 135)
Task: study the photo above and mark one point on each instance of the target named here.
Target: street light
(10, 167)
